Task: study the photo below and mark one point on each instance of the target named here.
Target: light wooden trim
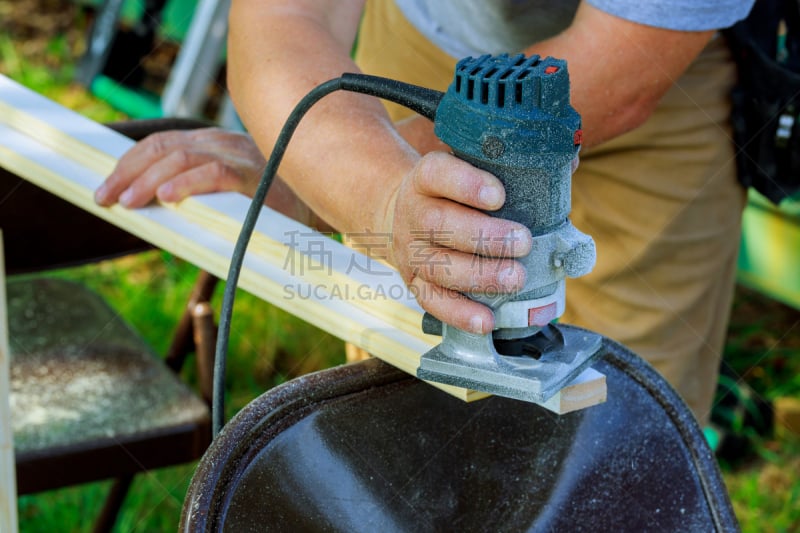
(8, 479)
(70, 156)
(98, 148)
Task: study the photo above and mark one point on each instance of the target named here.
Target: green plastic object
(174, 20)
(769, 257)
(713, 438)
(134, 103)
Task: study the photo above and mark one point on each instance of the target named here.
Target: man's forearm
(619, 70)
(279, 51)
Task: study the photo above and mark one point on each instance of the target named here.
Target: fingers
(143, 189)
(440, 276)
(173, 165)
(453, 307)
(449, 193)
(203, 178)
(444, 176)
(443, 222)
(464, 272)
(445, 244)
(137, 160)
(177, 176)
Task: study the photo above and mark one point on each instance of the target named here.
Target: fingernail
(490, 196)
(164, 191)
(125, 197)
(516, 241)
(100, 193)
(508, 278)
(476, 324)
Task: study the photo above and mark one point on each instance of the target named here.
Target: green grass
(52, 77)
(766, 492)
(269, 346)
(153, 504)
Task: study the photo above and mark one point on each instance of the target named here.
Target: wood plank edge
(8, 478)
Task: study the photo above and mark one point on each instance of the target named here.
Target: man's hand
(443, 245)
(173, 165)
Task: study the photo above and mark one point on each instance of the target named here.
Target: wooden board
(8, 480)
(287, 264)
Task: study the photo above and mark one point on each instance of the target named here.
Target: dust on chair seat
(89, 398)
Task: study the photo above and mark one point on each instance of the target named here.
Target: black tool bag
(766, 99)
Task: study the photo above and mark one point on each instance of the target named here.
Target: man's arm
(351, 164)
(619, 69)
(348, 162)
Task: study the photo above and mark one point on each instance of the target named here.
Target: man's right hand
(443, 245)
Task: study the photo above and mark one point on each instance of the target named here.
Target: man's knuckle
(183, 158)
(219, 170)
(432, 218)
(427, 173)
(156, 144)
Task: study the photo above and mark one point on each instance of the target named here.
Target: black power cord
(419, 99)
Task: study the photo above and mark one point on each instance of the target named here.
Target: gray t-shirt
(474, 27)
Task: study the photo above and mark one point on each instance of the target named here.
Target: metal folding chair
(365, 447)
(90, 399)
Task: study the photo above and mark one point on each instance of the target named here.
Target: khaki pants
(661, 202)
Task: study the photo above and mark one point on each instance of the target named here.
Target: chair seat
(86, 388)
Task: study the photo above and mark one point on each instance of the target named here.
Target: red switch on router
(541, 316)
